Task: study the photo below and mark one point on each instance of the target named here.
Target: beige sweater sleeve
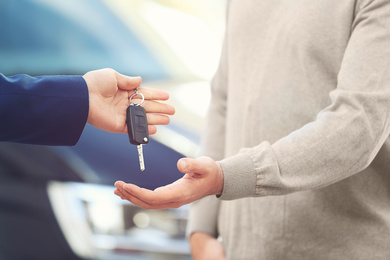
(346, 135)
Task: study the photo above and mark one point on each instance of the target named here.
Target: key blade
(141, 157)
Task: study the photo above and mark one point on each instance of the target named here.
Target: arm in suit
(49, 110)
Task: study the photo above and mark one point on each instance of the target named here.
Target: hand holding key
(109, 93)
(203, 177)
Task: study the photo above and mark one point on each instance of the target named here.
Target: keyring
(137, 94)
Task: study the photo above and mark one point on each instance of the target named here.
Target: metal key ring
(137, 94)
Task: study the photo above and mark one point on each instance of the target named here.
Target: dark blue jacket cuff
(47, 110)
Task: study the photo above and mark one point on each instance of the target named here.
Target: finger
(154, 198)
(152, 129)
(119, 184)
(199, 165)
(154, 94)
(127, 82)
(156, 119)
(119, 194)
(158, 107)
(119, 191)
(140, 203)
(129, 196)
(166, 195)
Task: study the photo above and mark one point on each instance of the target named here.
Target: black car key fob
(137, 124)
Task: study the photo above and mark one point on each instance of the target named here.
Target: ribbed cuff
(239, 177)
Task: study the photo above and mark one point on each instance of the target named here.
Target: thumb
(126, 82)
(200, 165)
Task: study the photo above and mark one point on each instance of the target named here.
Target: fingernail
(183, 165)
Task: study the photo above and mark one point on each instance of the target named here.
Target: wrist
(198, 238)
(92, 97)
(220, 180)
(86, 79)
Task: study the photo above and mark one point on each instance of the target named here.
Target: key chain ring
(137, 94)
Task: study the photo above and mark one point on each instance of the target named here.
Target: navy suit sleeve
(47, 110)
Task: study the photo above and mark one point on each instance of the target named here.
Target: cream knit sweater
(300, 121)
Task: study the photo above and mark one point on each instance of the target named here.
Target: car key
(137, 127)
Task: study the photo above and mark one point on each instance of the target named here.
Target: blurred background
(58, 202)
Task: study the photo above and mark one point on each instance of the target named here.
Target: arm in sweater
(346, 135)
